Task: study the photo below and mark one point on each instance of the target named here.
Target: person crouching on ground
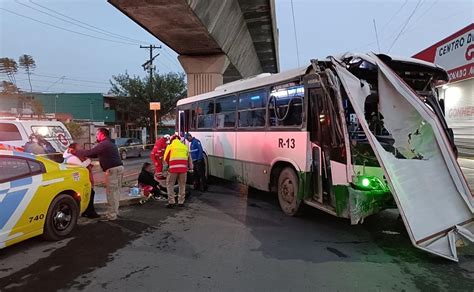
(178, 160)
(112, 165)
(70, 158)
(147, 179)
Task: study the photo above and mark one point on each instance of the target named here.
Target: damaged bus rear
(401, 148)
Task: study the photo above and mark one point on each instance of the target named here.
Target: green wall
(88, 106)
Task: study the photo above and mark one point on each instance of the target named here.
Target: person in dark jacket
(147, 178)
(197, 155)
(112, 165)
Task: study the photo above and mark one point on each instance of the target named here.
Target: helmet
(173, 138)
(167, 137)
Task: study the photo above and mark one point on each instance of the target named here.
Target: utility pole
(148, 65)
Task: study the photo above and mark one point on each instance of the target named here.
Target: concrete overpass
(218, 40)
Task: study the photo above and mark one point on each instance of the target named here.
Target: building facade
(455, 53)
(82, 106)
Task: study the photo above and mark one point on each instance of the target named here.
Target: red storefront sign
(454, 53)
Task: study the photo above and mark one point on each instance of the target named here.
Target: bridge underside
(241, 31)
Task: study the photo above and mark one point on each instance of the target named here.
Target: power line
(65, 29)
(67, 21)
(423, 14)
(438, 22)
(376, 35)
(69, 84)
(164, 64)
(73, 79)
(76, 87)
(294, 31)
(393, 16)
(89, 25)
(171, 58)
(66, 78)
(52, 84)
(62, 84)
(95, 28)
(405, 25)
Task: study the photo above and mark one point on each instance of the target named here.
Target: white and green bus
(304, 135)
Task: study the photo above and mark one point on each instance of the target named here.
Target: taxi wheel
(123, 155)
(288, 192)
(61, 218)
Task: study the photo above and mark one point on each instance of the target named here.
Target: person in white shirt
(70, 158)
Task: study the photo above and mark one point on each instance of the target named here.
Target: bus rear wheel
(288, 191)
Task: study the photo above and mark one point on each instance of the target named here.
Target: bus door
(192, 118)
(313, 92)
(181, 123)
(325, 134)
(186, 119)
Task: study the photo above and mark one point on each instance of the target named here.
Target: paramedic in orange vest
(178, 160)
(157, 155)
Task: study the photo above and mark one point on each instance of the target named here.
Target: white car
(17, 132)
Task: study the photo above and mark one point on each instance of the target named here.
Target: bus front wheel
(288, 191)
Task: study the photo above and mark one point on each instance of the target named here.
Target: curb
(123, 202)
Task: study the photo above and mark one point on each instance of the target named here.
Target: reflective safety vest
(177, 157)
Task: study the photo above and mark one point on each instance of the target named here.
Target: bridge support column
(204, 73)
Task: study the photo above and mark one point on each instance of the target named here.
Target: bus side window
(225, 112)
(286, 106)
(205, 114)
(192, 117)
(252, 108)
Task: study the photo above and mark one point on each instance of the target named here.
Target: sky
(97, 41)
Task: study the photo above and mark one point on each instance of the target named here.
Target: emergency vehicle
(39, 196)
(17, 132)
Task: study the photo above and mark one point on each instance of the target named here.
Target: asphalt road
(132, 168)
(223, 240)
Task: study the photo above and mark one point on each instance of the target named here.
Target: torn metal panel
(424, 178)
(365, 203)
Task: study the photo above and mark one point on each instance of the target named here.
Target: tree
(134, 97)
(37, 108)
(75, 129)
(9, 67)
(28, 64)
(8, 87)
